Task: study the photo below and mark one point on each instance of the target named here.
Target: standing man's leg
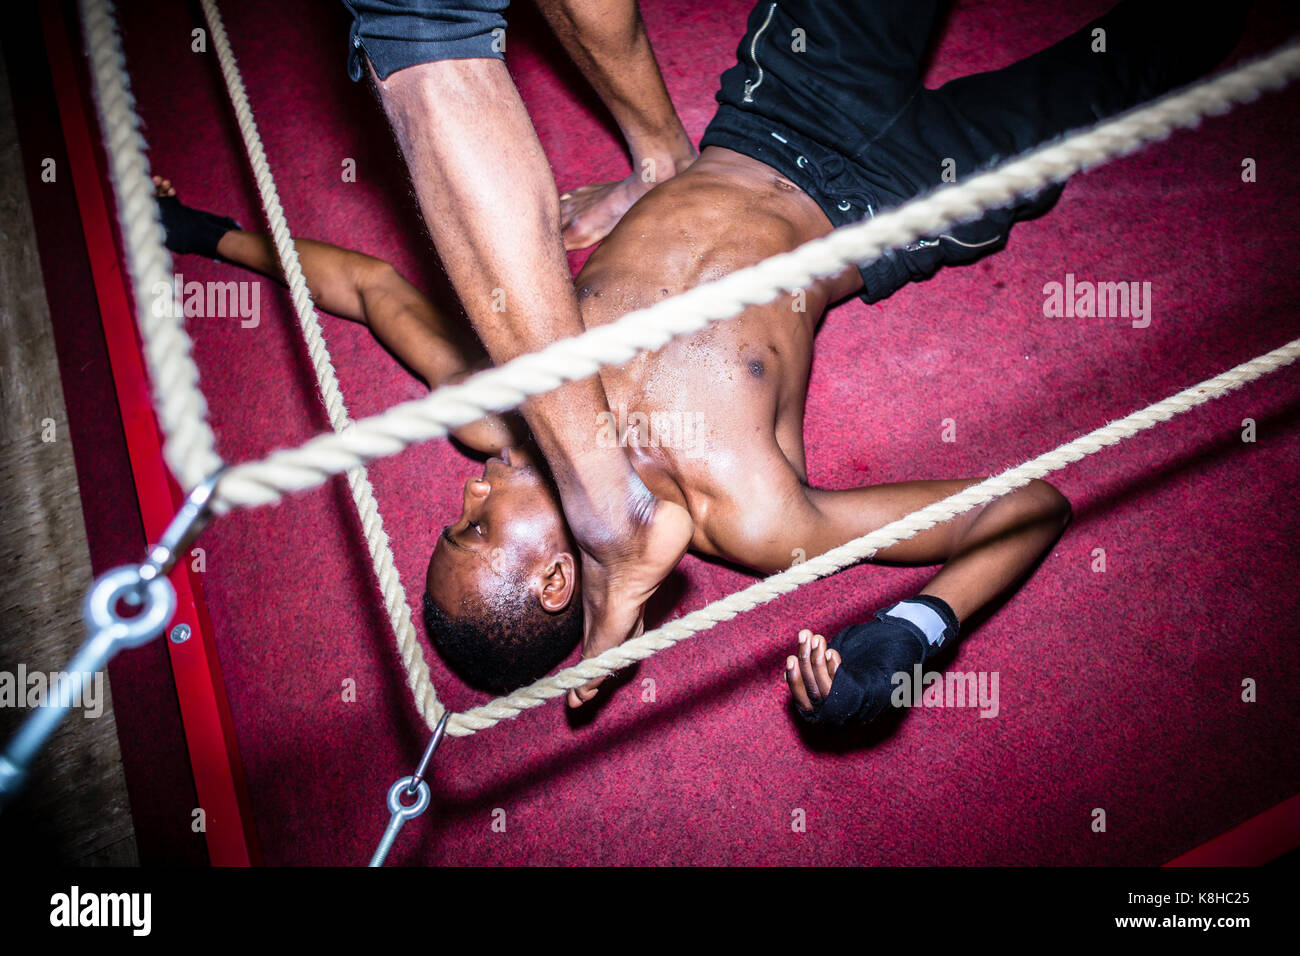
(490, 204)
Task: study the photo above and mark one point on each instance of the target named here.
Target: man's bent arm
(985, 552)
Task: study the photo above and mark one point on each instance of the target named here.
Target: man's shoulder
(755, 513)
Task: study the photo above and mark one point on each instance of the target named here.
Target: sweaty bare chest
(696, 403)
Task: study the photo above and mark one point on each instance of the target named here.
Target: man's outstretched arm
(490, 204)
(985, 551)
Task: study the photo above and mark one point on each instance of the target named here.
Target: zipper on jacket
(752, 85)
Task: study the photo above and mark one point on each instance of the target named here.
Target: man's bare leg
(607, 39)
(490, 204)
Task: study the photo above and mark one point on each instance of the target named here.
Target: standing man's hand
(629, 544)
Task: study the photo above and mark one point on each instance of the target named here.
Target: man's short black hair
(503, 648)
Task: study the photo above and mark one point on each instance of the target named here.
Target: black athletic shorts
(829, 93)
(396, 34)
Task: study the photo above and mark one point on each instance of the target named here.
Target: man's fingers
(795, 683)
(820, 670)
(832, 663)
(580, 695)
(576, 698)
(806, 640)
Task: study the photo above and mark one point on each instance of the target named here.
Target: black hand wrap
(870, 655)
(192, 230)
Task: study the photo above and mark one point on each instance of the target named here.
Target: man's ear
(558, 580)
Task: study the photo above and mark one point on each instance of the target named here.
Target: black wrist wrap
(870, 655)
(192, 230)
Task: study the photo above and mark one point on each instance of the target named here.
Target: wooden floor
(75, 809)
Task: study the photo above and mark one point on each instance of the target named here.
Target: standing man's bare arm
(490, 203)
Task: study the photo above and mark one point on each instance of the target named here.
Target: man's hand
(621, 569)
(473, 153)
(810, 672)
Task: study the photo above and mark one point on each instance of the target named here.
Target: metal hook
(109, 632)
(428, 751)
(183, 529)
(408, 786)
